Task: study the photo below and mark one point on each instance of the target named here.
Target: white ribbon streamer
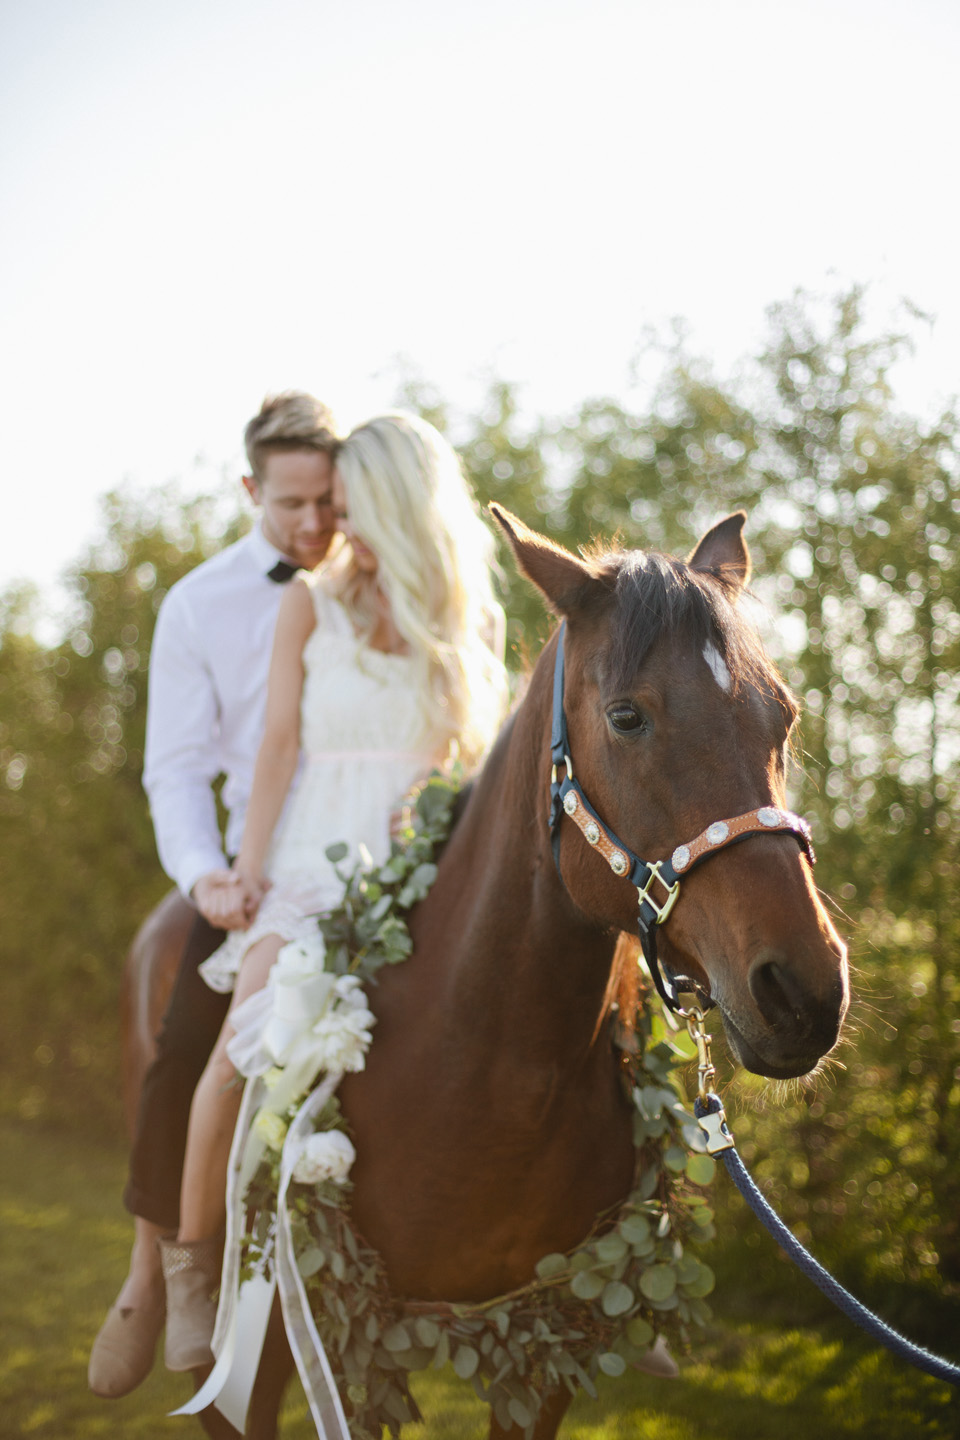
(243, 1313)
(250, 1319)
(302, 1020)
(245, 1154)
(311, 1359)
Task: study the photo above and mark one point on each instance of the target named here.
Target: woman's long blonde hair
(409, 502)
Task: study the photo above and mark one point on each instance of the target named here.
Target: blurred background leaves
(853, 509)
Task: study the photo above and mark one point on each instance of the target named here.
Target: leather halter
(657, 881)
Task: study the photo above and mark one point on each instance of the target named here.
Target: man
(205, 715)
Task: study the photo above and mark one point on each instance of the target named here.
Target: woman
(382, 665)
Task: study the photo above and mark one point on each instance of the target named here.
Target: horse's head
(677, 721)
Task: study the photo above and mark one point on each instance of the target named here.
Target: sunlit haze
(207, 201)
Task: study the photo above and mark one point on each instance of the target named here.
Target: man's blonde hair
(409, 502)
(292, 420)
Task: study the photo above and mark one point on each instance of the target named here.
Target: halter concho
(657, 881)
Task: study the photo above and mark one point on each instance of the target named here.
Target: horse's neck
(492, 1103)
(529, 968)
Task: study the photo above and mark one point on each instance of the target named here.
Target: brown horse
(489, 1124)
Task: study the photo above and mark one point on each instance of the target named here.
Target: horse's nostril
(776, 992)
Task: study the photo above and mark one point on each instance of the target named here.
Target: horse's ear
(723, 551)
(562, 578)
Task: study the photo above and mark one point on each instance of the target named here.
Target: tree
(852, 513)
(80, 868)
(852, 509)
(861, 504)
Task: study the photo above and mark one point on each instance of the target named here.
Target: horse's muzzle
(797, 1024)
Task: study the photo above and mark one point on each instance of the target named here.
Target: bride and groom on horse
(490, 1120)
(337, 653)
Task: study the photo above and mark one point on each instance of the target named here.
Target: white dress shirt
(206, 703)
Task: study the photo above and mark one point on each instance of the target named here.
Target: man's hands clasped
(229, 899)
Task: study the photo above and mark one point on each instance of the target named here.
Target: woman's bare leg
(213, 1113)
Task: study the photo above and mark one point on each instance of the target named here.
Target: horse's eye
(627, 721)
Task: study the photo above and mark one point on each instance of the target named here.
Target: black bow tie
(282, 572)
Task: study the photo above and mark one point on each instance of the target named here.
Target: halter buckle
(661, 910)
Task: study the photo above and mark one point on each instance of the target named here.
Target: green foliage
(67, 1244)
(853, 517)
(592, 1312)
(80, 870)
(859, 513)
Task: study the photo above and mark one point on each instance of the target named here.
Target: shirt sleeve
(182, 753)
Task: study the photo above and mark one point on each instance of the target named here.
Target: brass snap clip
(713, 1121)
(697, 1030)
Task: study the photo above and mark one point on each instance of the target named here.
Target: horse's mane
(658, 596)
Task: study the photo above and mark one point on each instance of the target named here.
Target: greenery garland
(593, 1311)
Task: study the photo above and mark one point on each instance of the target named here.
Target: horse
(489, 1123)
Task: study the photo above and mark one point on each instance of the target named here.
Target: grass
(64, 1243)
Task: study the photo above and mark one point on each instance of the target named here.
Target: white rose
(326, 1156)
(343, 1038)
(349, 991)
(300, 991)
(299, 959)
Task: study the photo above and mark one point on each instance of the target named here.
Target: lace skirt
(288, 910)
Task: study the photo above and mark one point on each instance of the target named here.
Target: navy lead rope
(720, 1141)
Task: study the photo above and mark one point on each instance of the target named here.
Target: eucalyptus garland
(593, 1311)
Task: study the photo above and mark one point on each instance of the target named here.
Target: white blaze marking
(717, 665)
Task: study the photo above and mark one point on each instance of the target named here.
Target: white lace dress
(365, 740)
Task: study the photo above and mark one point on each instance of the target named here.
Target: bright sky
(207, 199)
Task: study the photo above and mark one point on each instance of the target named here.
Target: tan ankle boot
(191, 1271)
(122, 1354)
